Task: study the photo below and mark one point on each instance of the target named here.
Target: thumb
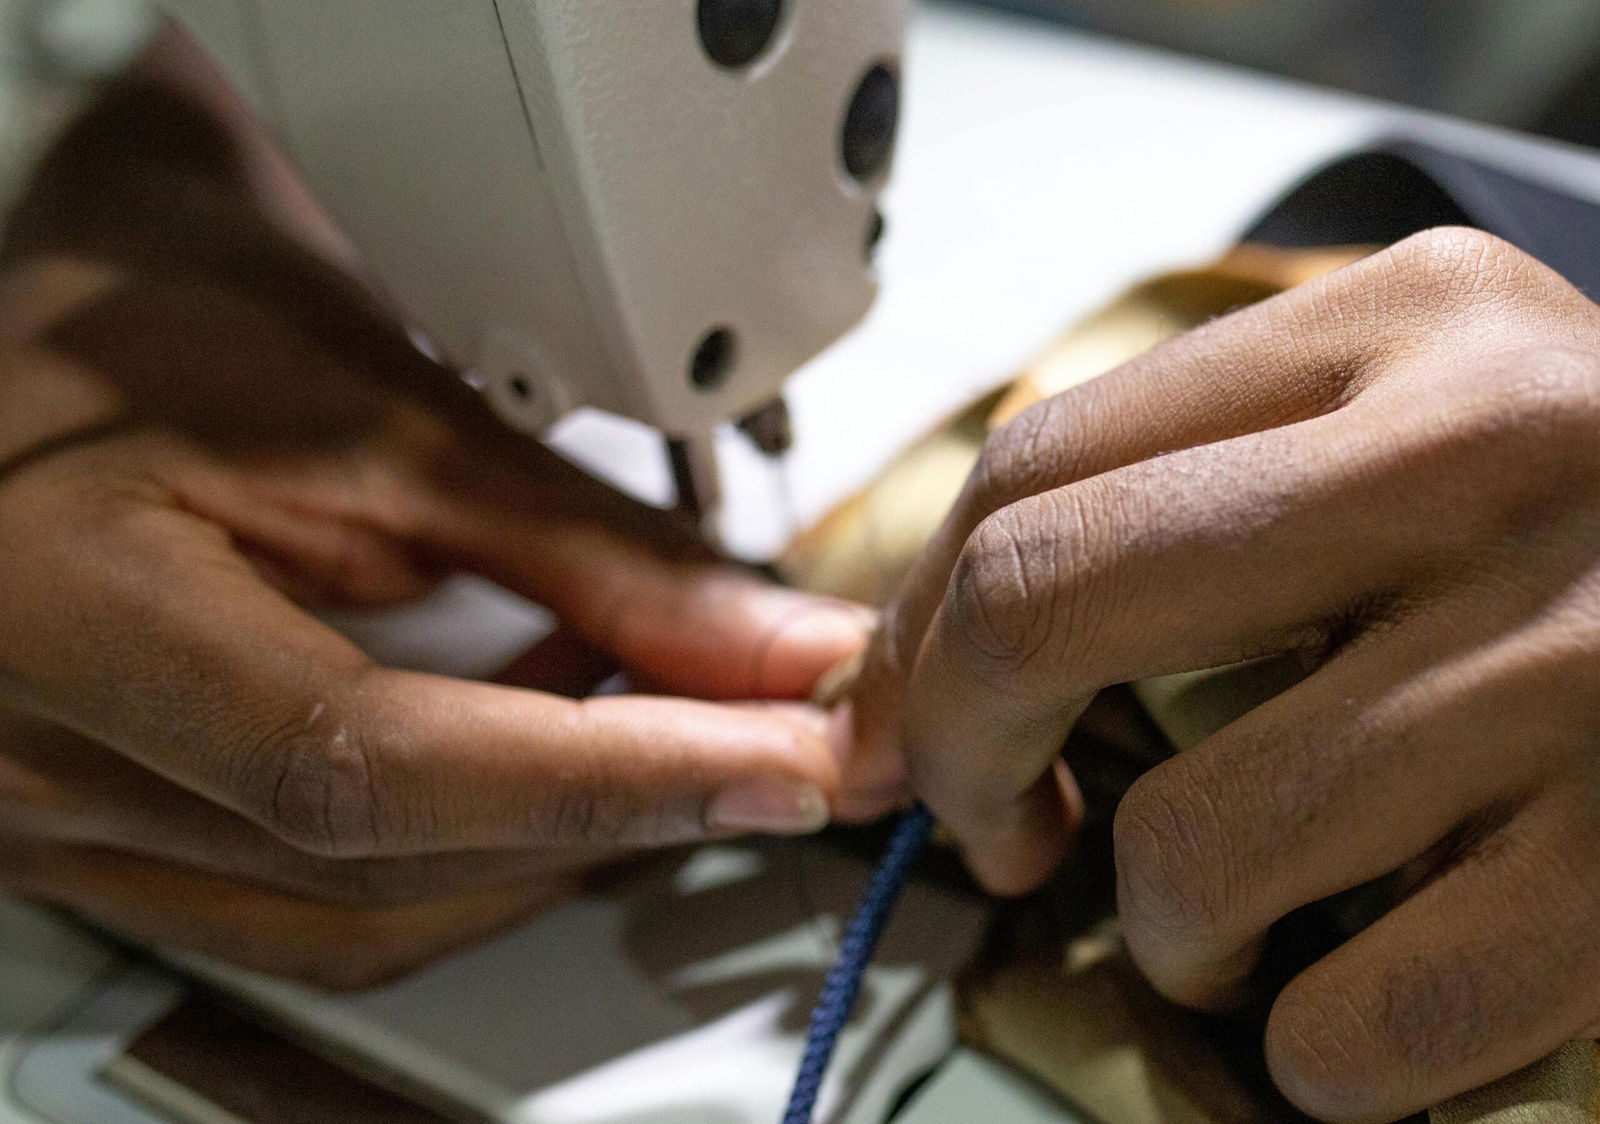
(451, 765)
(180, 658)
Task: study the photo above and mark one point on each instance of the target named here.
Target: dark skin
(209, 429)
(206, 427)
(1395, 473)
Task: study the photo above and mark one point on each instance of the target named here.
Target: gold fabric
(1087, 1025)
(1562, 1089)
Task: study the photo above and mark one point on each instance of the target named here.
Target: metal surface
(970, 1087)
(697, 478)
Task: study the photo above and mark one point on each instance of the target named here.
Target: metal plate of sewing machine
(970, 1086)
(676, 995)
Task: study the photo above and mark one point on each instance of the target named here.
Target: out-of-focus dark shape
(1527, 64)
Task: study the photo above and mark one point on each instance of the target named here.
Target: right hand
(204, 431)
(1392, 476)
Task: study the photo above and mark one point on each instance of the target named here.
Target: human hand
(1395, 472)
(205, 431)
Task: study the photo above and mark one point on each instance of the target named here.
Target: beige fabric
(1562, 1089)
(863, 547)
(1088, 1026)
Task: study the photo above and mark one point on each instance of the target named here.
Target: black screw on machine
(735, 33)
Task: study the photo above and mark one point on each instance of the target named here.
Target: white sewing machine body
(610, 203)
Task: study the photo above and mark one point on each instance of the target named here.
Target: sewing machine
(1001, 232)
(660, 210)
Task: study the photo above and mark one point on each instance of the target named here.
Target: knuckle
(1540, 406)
(599, 813)
(1537, 408)
(1004, 592)
(310, 782)
(1450, 265)
(1549, 392)
(1325, 1054)
(1023, 456)
(1168, 874)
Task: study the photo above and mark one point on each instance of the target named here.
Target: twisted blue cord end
(844, 979)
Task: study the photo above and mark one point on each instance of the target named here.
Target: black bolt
(875, 231)
(713, 360)
(870, 122)
(735, 32)
(770, 428)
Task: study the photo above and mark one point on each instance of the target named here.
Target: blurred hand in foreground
(207, 430)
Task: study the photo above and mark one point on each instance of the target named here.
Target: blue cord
(843, 984)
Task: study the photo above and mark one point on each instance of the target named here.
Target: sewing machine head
(657, 209)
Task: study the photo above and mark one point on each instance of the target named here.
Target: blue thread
(843, 984)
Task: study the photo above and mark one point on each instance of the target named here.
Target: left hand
(206, 431)
(1394, 471)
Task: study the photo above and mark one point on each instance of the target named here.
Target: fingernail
(771, 806)
(834, 688)
(826, 625)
